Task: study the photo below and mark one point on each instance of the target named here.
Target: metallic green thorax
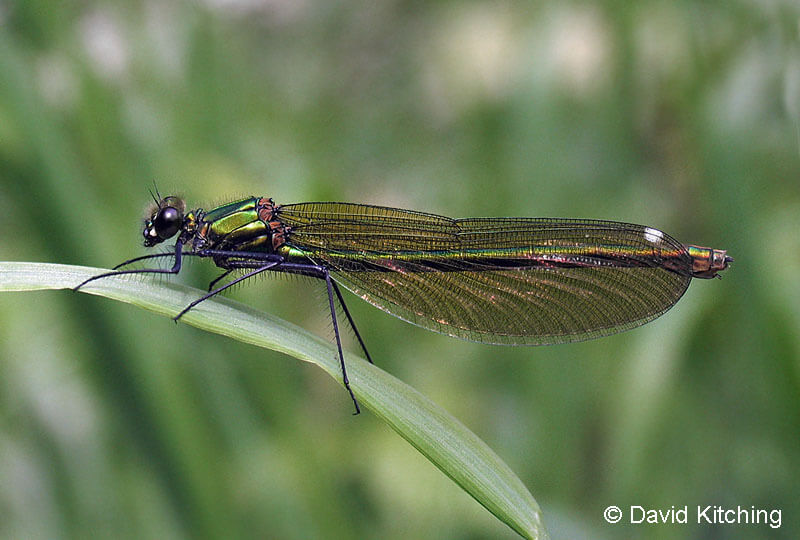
(236, 226)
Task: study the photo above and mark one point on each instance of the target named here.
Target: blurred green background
(680, 115)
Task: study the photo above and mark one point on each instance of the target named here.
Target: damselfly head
(164, 221)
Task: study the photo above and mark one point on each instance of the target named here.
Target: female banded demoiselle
(516, 281)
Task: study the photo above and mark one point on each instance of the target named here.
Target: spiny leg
(144, 258)
(346, 381)
(214, 281)
(320, 272)
(176, 267)
(350, 319)
(227, 285)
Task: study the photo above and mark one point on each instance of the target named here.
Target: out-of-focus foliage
(684, 116)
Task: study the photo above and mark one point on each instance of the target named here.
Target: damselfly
(517, 281)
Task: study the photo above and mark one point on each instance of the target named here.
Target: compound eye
(167, 222)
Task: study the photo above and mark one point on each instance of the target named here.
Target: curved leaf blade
(447, 443)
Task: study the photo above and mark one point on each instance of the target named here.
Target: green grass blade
(448, 444)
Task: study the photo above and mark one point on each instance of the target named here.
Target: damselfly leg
(256, 263)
